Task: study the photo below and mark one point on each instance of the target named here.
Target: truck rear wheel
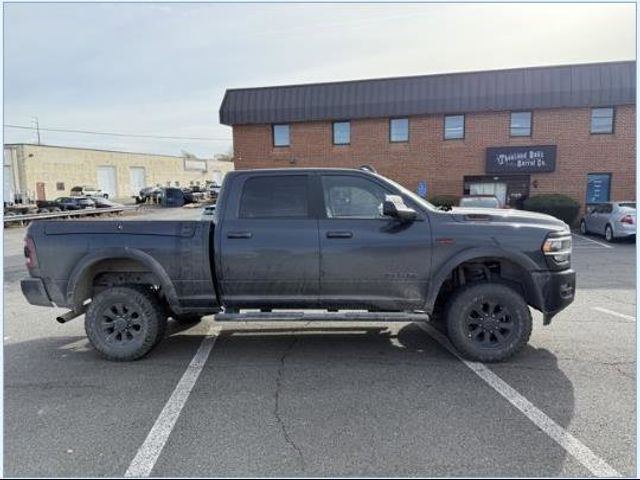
(488, 322)
(125, 323)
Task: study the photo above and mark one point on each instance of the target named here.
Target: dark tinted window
(272, 196)
(453, 127)
(352, 197)
(602, 120)
(520, 124)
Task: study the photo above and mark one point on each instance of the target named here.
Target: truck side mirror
(394, 206)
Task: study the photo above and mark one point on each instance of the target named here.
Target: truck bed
(176, 252)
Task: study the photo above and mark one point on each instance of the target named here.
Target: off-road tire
(493, 307)
(141, 322)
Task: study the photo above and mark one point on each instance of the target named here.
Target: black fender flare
(81, 268)
(518, 258)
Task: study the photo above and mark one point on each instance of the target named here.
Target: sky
(161, 69)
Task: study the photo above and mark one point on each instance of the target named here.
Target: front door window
(352, 197)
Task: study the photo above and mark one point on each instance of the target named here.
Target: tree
(188, 155)
(225, 157)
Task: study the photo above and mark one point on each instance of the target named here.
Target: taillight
(30, 252)
(627, 219)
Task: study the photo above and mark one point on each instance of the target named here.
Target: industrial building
(513, 133)
(40, 172)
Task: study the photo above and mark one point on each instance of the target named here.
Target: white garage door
(8, 188)
(107, 181)
(137, 180)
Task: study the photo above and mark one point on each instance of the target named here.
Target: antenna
(35, 119)
(368, 168)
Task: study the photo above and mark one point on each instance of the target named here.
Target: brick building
(513, 133)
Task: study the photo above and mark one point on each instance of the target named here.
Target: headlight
(558, 248)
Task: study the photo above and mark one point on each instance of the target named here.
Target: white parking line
(562, 437)
(592, 241)
(148, 453)
(614, 313)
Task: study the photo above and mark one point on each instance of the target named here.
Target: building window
(281, 135)
(60, 186)
(521, 124)
(399, 130)
(602, 120)
(341, 133)
(453, 127)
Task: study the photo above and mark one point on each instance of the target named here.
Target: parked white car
(611, 219)
(87, 191)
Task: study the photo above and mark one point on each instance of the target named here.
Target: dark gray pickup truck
(331, 243)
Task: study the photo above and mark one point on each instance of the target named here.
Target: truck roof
(300, 170)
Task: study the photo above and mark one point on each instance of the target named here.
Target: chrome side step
(319, 316)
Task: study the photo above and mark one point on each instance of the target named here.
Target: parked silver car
(611, 219)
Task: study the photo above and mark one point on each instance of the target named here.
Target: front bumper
(555, 291)
(35, 292)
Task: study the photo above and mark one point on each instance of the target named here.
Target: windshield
(628, 205)
(479, 202)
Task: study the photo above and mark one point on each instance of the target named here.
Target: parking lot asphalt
(379, 399)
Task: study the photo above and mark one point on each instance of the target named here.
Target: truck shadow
(410, 406)
(355, 400)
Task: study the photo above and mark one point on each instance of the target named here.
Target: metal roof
(594, 84)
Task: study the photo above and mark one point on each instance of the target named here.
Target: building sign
(536, 159)
(193, 164)
(598, 186)
(422, 189)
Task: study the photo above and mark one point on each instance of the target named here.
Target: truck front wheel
(125, 323)
(488, 322)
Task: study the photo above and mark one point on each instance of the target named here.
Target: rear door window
(275, 197)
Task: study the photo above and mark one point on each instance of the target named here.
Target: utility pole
(35, 119)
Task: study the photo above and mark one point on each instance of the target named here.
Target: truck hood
(521, 217)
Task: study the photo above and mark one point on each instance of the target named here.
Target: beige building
(48, 172)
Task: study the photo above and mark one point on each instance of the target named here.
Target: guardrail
(25, 218)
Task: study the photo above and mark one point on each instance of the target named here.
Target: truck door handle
(339, 234)
(239, 235)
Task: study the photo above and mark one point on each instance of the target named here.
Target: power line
(117, 134)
